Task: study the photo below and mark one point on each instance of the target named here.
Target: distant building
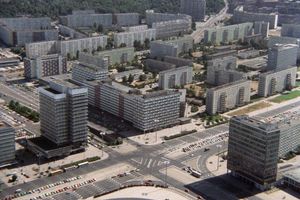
(160, 49)
(253, 151)
(7, 144)
(261, 28)
(167, 29)
(273, 40)
(241, 16)
(228, 34)
(282, 56)
(194, 8)
(128, 38)
(71, 47)
(82, 19)
(70, 32)
(126, 19)
(152, 17)
(290, 30)
(175, 77)
(90, 67)
(225, 97)
(19, 31)
(68, 48)
(114, 56)
(42, 66)
(223, 70)
(273, 82)
(135, 28)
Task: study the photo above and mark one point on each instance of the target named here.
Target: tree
(142, 77)
(147, 43)
(122, 45)
(194, 26)
(100, 28)
(124, 79)
(130, 78)
(99, 48)
(194, 108)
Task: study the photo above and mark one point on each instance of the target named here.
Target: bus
(55, 172)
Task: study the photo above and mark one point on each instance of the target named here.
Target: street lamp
(166, 164)
(219, 147)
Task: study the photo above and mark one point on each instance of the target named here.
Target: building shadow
(225, 187)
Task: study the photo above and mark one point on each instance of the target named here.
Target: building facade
(128, 38)
(63, 113)
(175, 77)
(253, 151)
(47, 65)
(195, 8)
(19, 31)
(87, 20)
(282, 56)
(7, 144)
(273, 82)
(120, 55)
(152, 17)
(273, 40)
(160, 49)
(228, 34)
(90, 67)
(146, 112)
(167, 29)
(241, 16)
(290, 30)
(126, 19)
(66, 47)
(225, 97)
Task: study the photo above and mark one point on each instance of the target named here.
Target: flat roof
(44, 143)
(293, 174)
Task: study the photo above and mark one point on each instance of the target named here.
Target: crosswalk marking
(149, 164)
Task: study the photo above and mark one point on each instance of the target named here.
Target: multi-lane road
(151, 160)
(211, 22)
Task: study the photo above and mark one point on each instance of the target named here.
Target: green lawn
(286, 97)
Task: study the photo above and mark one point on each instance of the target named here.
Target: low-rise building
(47, 65)
(7, 144)
(273, 82)
(292, 179)
(225, 97)
(172, 78)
